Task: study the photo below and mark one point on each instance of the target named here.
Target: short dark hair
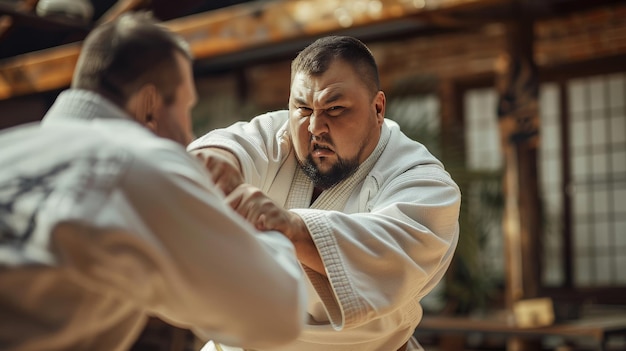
(315, 59)
(121, 56)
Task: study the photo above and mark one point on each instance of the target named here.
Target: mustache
(323, 141)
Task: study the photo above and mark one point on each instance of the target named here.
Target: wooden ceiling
(225, 32)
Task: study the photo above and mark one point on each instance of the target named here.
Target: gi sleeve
(261, 145)
(397, 252)
(165, 239)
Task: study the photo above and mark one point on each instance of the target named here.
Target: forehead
(339, 79)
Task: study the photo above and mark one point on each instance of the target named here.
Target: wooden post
(518, 113)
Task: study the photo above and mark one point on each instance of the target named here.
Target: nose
(317, 124)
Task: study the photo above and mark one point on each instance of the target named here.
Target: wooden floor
(162, 337)
(554, 346)
(438, 334)
(601, 328)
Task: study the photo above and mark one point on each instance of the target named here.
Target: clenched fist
(223, 167)
(258, 209)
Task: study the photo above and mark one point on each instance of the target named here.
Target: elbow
(277, 330)
(289, 325)
(256, 332)
(281, 321)
(283, 332)
(285, 321)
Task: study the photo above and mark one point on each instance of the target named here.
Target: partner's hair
(315, 59)
(121, 56)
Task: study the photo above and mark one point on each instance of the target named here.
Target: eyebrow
(334, 97)
(299, 101)
(330, 99)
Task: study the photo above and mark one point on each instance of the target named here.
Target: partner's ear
(143, 106)
(379, 104)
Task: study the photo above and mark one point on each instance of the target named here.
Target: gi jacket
(384, 248)
(103, 224)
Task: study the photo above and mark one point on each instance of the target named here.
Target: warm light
(375, 8)
(343, 16)
(303, 11)
(420, 4)
(359, 7)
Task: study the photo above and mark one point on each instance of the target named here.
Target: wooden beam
(264, 23)
(38, 72)
(233, 29)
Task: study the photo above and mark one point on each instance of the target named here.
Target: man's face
(334, 122)
(174, 120)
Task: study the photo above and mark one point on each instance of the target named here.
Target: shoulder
(402, 150)
(404, 157)
(274, 120)
(265, 129)
(152, 155)
(99, 142)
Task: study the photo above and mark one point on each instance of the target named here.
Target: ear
(143, 106)
(379, 104)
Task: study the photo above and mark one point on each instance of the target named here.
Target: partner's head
(145, 69)
(336, 108)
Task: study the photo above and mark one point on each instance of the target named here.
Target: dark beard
(340, 171)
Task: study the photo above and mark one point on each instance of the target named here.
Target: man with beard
(372, 214)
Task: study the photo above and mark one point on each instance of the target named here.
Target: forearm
(223, 166)
(216, 273)
(307, 254)
(226, 154)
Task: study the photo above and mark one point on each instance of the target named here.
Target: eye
(335, 111)
(304, 111)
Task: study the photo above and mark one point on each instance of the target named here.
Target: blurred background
(523, 100)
